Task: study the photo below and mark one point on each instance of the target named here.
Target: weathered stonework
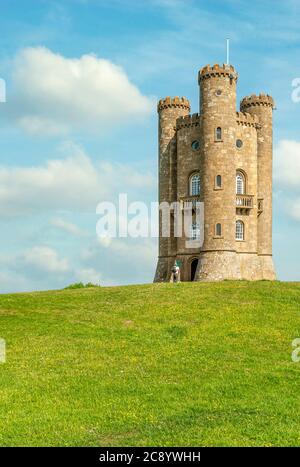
(221, 256)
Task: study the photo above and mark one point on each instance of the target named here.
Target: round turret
(217, 90)
(261, 106)
(170, 109)
(260, 100)
(177, 102)
(218, 134)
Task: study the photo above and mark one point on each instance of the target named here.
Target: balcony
(244, 202)
(189, 201)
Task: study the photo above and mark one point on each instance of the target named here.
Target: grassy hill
(183, 364)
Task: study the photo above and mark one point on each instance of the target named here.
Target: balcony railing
(189, 201)
(244, 201)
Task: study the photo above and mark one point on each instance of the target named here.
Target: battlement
(246, 119)
(188, 121)
(217, 70)
(261, 99)
(178, 102)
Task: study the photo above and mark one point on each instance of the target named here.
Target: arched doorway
(194, 265)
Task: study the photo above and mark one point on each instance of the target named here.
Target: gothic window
(240, 183)
(239, 231)
(195, 185)
(218, 230)
(219, 133)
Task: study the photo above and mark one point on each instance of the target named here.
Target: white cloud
(286, 177)
(45, 259)
(55, 94)
(125, 261)
(293, 207)
(71, 183)
(10, 281)
(68, 227)
(88, 275)
(104, 241)
(41, 267)
(287, 164)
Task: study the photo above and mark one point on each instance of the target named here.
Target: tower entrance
(194, 265)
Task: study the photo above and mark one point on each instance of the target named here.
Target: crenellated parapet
(177, 102)
(188, 121)
(254, 100)
(246, 119)
(217, 70)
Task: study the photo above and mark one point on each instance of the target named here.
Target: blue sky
(80, 125)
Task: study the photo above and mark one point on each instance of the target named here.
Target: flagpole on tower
(227, 51)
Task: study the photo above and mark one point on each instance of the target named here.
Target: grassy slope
(182, 364)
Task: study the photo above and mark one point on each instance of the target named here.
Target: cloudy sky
(80, 126)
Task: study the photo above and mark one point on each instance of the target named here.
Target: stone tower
(222, 158)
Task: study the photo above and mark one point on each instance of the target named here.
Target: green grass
(163, 364)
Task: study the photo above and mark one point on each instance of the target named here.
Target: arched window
(219, 133)
(218, 230)
(195, 185)
(240, 183)
(195, 231)
(239, 230)
(218, 181)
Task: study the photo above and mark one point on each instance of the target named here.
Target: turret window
(218, 230)
(239, 231)
(240, 183)
(219, 133)
(195, 185)
(218, 181)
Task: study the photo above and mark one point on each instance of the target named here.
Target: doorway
(194, 265)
